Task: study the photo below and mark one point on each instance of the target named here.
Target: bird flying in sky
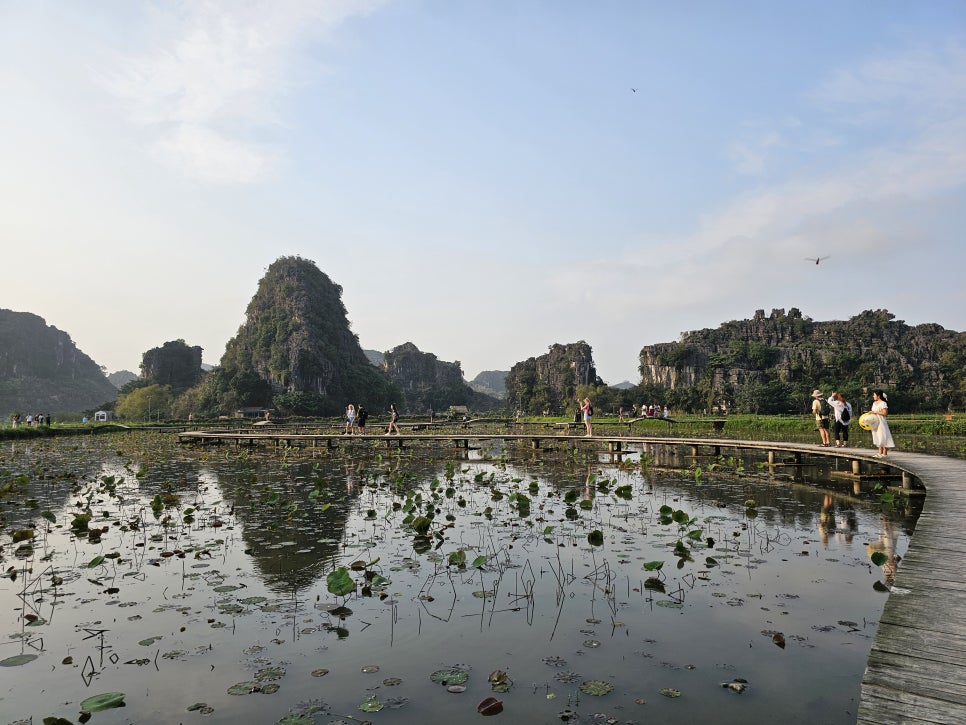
(816, 259)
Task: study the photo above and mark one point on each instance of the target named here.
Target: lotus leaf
(104, 701)
(595, 687)
(17, 660)
(452, 676)
(371, 704)
(339, 582)
(244, 688)
(270, 673)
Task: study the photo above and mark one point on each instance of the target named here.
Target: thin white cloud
(207, 155)
(917, 87)
(212, 76)
(749, 156)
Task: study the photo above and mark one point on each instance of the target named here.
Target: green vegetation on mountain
(428, 383)
(175, 364)
(295, 352)
(166, 372)
(551, 382)
(771, 364)
(41, 370)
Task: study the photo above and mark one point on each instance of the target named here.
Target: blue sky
(480, 177)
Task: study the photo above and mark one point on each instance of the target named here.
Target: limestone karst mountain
(295, 351)
(43, 371)
(770, 364)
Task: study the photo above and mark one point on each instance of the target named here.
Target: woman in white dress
(350, 419)
(881, 435)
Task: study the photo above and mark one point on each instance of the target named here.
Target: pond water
(225, 586)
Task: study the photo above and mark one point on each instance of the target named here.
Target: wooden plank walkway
(917, 667)
(916, 671)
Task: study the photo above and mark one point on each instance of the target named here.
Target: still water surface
(221, 587)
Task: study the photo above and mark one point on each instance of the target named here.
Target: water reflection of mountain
(51, 470)
(293, 517)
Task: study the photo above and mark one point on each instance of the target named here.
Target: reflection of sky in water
(250, 589)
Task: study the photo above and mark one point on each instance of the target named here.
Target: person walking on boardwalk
(821, 410)
(350, 419)
(393, 417)
(881, 435)
(843, 417)
(362, 415)
(588, 411)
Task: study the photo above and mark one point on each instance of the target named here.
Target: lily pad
(595, 687)
(104, 701)
(244, 688)
(670, 692)
(452, 676)
(17, 660)
(270, 673)
(371, 704)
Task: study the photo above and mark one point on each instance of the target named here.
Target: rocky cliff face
(428, 382)
(175, 364)
(41, 370)
(549, 382)
(794, 354)
(297, 337)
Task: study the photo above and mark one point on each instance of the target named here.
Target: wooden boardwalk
(917, 668)
(916, 671)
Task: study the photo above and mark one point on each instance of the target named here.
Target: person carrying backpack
(822, 411)
(843, 416)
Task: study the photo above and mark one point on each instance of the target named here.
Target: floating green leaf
(104, 701)
(457, 558)
(96, 561)
(244, 688)
(17, 660)
(670, 692)
(653, 565)
(596, 538)
(49, 515)
(452, 676)
(596, 687)
(371, 704)
(479, 561)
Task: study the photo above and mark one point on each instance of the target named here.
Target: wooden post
(771, 458)
(906, 481)
(856, 467)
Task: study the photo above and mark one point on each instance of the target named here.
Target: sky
(483, 179)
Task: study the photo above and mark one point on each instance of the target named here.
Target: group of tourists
(645, 411)
(835, 413)
(355, 419)
(40, 419)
